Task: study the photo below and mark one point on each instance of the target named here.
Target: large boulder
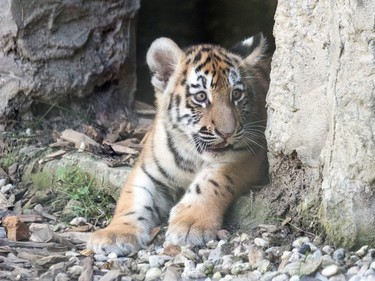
(321, 118)
(54, 51)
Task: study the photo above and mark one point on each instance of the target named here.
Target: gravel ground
(242, 257)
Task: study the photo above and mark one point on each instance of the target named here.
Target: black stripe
(153, 179)
(229, 189)
(200, 66)
(214, 183)
(197, 57)
(141, 218)
(181, 162)
(229, 179)
(129, 213)
(198, 189)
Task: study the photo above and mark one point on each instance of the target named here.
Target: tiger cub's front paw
(118, 238)
(189, 225)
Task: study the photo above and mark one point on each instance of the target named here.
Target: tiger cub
(206, 146)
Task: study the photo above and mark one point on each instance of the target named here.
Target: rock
(339, 277)
(171, 274)
(255, 255)
(157, 261)
(281, 277)
(72, 41)
(40, 232)
(112, 256)
(263, 265)
(75, 271)
(328, 250)
(303, 130)
(260, 242)
(113, 275)
(7, 188)
(78, 221)
(239, 268)
(339, 255)
(62, 277)
(300, 241)
(362, 251)
(3, 182)
(330, 270)
(3, 233)
(269, 276)
(304, 249)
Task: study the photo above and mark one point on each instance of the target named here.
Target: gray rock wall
(321, 107)
(54, 50)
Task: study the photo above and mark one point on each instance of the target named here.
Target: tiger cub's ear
(251, 49)
(162, 59)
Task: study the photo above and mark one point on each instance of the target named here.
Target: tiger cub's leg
(138, 210)
(198, 216)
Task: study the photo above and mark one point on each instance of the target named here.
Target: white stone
(3, 182)
(261, 242)
(300, 241)
(281, 277)
(294, 278)
(330, 270)
(362, 252)
(7, 188)
(112, 255)
(78, 221)
(157, 261)
(153, 274)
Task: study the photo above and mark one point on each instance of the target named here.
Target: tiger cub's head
(213, 97)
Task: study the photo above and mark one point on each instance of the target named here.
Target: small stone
(3, 233)
(263, 265)
(296, 257)
(255, 255)
(40, 232)
(363, 251)
(7, 188)
(215, 254)
(339, 277)
(239, 268)
(62, 277)
(286, 255)
(212, 244)
(330, 270)
(318, 240)
(157, 261)
(112, 256)
(305, 249)
(352, 271)
(217, 275)
(188, 253)
(339, 255)
(100, 258)
(328, 250)
(294, 278)
(78, 221)
(153, 274)
(372, 266)
(320, 277)
(355, 278)
(75, 271)
(281, 277)
(300, 241)
(179, 260)
(260, 242)
(269, 275)
(3, 182)
(171, 274)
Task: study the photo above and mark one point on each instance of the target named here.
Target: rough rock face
(321, 116)
(59, 50)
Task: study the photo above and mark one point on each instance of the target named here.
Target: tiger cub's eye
(237, 95)
(200, 97)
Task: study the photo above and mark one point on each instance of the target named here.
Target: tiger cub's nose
(224, 134)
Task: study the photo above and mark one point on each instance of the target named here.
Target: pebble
(330, 270)
(7, 188)
(153, 274)
(3, 182)
(261, 242)
(3, 233)
(339, 254)
(112, 256)
(300, 241)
